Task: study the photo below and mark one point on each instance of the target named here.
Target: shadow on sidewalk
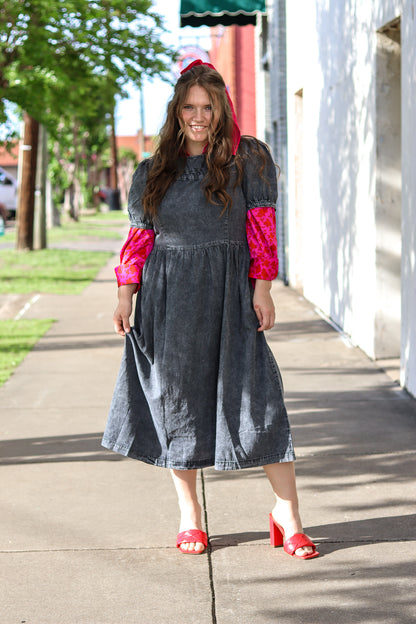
(66, 342)
(68, 448)
(337, 536)
(354, 592)
(283, 330)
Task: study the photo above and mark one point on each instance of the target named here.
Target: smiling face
(195, 118)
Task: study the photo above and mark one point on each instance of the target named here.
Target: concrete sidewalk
(89, 538)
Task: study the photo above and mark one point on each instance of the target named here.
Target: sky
(157, 93)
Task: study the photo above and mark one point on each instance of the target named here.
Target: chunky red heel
(291, 545)
(276, 535)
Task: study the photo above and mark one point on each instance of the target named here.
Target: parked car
(8, 191)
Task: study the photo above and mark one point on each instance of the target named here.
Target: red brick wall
(232, 53)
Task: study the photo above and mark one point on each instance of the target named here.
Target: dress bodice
(186, 218)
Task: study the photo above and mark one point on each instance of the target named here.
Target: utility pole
(114, 193)
(143, 146)
(39, 237)
(113, 148)
(28, 182)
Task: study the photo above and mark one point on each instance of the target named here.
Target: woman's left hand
(263, 304)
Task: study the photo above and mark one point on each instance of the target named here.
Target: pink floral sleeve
(261, 237)
(133, 255)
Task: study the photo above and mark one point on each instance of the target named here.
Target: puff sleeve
(135, 206)
(259, 182)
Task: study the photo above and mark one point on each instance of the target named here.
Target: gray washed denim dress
(198, 385)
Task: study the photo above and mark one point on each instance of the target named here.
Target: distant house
(8, 160)
(142, 149)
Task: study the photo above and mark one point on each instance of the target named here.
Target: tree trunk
(77, 204)
(69, 201)
(28, 181)
(75, 195)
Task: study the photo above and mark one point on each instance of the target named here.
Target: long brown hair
(167, 159)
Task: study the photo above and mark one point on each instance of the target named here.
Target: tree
(61, 60)
(127, 165)
(49, 48)
(78, 143)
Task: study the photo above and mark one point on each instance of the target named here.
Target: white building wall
(388, 193)
(331, 57)
(408, 360)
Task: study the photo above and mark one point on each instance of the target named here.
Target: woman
(198, 385)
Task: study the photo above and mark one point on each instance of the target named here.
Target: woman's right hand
(122, 313)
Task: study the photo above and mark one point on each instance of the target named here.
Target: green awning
(226, 12)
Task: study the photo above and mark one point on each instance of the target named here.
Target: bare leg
(185, 485)
(286, 510)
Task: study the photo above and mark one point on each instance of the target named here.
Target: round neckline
(195, 162)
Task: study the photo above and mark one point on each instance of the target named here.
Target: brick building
(9, 159)
(233, 54)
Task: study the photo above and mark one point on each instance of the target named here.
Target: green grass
(111, 215)
(58, 271)
(101, 225)
(17, 338)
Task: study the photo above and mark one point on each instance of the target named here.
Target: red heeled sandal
(290, 546)
(189, 537)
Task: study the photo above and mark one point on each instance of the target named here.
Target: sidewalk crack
(209, 552)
